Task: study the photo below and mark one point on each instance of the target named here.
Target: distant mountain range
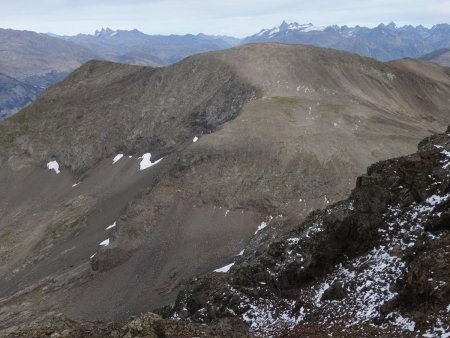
(384, 42)
(158, 49)
(39, 60)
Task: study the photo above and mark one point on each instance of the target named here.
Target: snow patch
(435, 199)
(105, 242)
(117, 158)
(195, 139)
(226, 268)
(260, 227)
(146, 162)
(404, 323)
(53, 165)
(111, 226)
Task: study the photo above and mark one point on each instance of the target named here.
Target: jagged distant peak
(105, 32)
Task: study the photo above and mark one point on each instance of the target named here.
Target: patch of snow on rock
(260, 227)
(226, 268)
(404, 323)
(435, 199)
(195, 139)
(53, 165)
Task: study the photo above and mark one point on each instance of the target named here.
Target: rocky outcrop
(149, 325)
(379, 258)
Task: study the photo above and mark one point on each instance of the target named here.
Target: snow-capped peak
(287, 27)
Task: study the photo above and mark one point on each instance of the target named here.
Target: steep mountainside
(172, 170)
(384, 42)
(441, 56)
(376, 264)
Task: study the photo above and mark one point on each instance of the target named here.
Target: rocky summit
(122, 183)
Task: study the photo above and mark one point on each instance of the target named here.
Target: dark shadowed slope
(278, 130)
(14, 95)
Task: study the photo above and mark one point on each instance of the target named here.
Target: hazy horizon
(233, 18)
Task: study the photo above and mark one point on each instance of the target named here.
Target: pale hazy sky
(231, 17)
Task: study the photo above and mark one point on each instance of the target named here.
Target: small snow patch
(74, 185)
(111, 226)
(117, 158)
(146, 162)
(404, 323)
(226, 268)
(435, 199)
(53, 165)
(195, 139)
(105, 242)
(226, 213)
(260, 227)
(242, 252)
(93, 256)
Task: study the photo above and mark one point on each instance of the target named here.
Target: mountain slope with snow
(376, 264)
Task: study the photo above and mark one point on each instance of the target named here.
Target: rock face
(381, 258)
(278, 130)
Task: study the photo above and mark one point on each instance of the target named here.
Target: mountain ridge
(384, 42)
(126, 180)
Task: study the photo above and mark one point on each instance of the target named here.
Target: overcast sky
(231, 17)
